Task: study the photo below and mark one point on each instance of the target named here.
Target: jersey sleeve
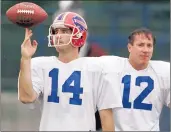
(109, 95)
(36, 76)
(162, 69)
(166, 91)
(166, 85)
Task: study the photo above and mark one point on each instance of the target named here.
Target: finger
(25, 42)
(30, 31)
(35, 43)
(27, 39)
(30, 35)
(26, 32)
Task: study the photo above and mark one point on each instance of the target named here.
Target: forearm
(26, 92)
(107, 120)
(108, 126)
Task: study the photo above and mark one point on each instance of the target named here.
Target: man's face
(63, 35)
(141, 50)
(63, 38)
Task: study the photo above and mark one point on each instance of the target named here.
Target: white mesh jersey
(72, 92)
(143, 92)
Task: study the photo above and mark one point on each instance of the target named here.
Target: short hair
(144, 31)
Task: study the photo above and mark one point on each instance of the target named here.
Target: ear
(129, 47)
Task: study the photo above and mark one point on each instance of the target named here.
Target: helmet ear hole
(79, 35)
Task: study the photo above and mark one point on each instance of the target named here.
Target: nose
(58, 36)
(146, 49)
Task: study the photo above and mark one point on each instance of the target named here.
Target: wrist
(25, 58)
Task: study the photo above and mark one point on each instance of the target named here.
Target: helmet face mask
(70, 21)
(55, 38)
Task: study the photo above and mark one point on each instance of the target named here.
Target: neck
(66, 57)
(137, 66)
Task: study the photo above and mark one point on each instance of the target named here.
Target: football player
(144, 84)
(73, 88)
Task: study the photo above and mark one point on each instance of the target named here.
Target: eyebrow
(145, 43)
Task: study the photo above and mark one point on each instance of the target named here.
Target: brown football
(26, 14)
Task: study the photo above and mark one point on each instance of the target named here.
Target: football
(26, 14)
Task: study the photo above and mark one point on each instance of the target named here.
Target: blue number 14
(76, 89)
(137, 103)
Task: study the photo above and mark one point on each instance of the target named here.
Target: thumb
(35, 43)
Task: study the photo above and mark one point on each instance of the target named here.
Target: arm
(107, 121)
(167, 98)
(166, 85)
(26, 92)
(25, 88)
(109, 98)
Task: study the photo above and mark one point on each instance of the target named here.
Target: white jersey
(72, 92)
(144, 93)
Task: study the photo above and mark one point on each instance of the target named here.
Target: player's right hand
(27, 48)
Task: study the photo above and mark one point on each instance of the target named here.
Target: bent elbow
(26, 100)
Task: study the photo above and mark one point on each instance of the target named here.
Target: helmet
(72, 21)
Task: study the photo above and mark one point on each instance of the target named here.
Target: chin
(59, 48)
(144, 62)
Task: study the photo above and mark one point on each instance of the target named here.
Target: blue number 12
(137, 103)
(76, 89)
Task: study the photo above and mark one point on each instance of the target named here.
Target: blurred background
(109, 23)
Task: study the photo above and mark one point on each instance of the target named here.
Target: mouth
(145, 56)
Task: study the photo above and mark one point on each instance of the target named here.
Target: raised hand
(27, 48)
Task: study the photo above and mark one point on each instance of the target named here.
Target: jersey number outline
(76, 89)
(137, 103)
